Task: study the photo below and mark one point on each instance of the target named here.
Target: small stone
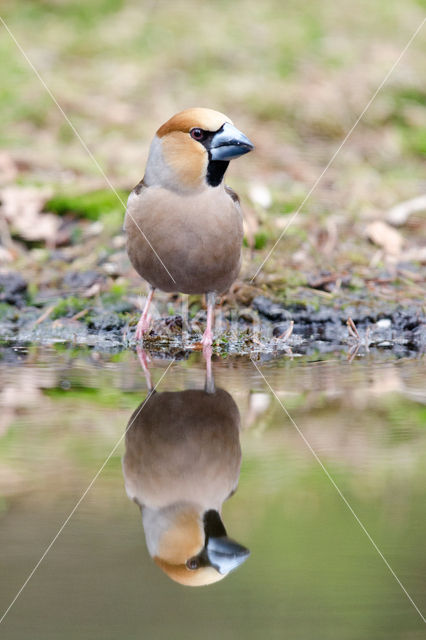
(81, 280)
(384, 323)
(13, 288)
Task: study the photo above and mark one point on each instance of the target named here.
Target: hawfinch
(182, 461)
(183, 224)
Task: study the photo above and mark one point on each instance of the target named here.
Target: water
(312, 571)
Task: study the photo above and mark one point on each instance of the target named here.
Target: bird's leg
(209, 386)
(207, 338)
(144, 360)
(145, 319)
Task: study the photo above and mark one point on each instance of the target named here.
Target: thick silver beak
(225, 554)
(229, 143)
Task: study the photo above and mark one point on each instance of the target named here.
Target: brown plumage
(184, 226)
(198, 238)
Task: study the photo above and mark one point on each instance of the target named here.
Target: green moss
(290, 278)
(7, 311)
(93, 205)
(68, 307)
(260, 239)
(116, 293)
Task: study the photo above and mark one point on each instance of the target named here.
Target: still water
(256, 479)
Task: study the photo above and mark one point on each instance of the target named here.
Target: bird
(183, 225)
(182, 461)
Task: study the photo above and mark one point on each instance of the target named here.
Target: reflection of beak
(229, 143)
(225, 554)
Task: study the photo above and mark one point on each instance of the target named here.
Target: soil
(261, 326)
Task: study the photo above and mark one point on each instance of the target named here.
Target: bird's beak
(229, 143)
(223, 554)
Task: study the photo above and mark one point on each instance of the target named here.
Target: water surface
(312, 571)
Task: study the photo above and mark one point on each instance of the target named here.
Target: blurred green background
(294, 76)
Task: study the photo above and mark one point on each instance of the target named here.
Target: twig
(352, 330)
(80, 314)
(287, 333)
(44, 315)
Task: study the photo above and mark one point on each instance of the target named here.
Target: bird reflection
(182, 461)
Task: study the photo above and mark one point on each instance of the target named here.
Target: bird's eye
(197, 134)
(192, 564)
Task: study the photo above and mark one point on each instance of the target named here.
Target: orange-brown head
(193, 149)
(192, 548)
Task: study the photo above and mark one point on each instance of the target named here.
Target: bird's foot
(142, 327)
(207, 339)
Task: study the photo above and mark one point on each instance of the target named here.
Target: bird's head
(193, 149)
(190, 547)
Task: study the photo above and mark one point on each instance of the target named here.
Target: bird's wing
(133, 194)
(234, 196)
(236, 200)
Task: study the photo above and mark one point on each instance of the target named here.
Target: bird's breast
(197, 237)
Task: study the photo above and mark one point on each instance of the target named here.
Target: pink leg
(207, 338)
(145, 319)
(209, 386)
(144, 360)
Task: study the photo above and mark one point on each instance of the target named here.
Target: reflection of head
(181, 463)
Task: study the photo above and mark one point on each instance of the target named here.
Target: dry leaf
(22, 208)
(383, 235)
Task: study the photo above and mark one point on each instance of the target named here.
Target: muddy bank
(261, 326)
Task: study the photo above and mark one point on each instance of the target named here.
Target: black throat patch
(215, 171)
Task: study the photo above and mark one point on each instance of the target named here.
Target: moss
(289, 278)
(260, 240)
(7, 311)
(93, 205)
(116, 293)
(68, 307)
